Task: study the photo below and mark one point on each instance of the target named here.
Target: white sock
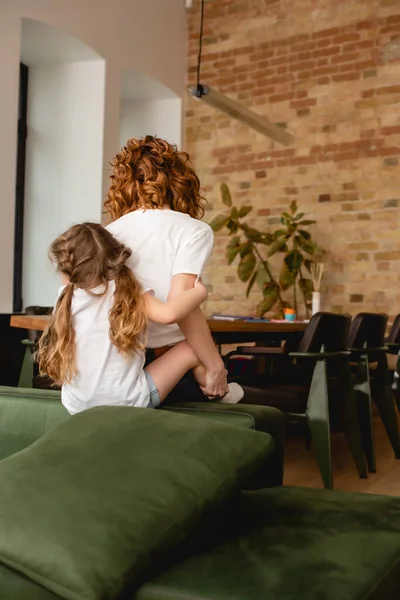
(234, 395)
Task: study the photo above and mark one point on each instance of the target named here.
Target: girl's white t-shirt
(105, 376)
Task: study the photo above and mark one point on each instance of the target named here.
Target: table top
(225, 326)
(39, 323)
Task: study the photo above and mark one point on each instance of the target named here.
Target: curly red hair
(149, 173)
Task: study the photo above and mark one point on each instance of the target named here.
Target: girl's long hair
(90, 257)
(151, 173)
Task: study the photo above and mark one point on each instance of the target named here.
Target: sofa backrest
(26, 415)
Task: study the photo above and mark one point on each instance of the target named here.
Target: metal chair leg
(349, 418)
(317, 413)
(26, 373)
(384, 401)
(362, 390)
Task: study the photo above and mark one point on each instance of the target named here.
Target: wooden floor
(301, 467)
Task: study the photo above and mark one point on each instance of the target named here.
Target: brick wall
(330, 70)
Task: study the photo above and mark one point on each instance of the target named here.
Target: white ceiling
(43, 44)
(137, 86)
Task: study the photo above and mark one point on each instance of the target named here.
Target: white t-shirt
(164, 243)
(105, 377)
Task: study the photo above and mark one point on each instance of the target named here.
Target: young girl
(94, 344)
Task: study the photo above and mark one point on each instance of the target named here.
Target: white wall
(64, 164)
(162, 118)
(118, 31)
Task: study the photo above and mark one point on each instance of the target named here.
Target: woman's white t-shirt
(105, 376)
(164, 243)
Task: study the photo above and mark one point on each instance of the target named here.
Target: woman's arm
(176, 308)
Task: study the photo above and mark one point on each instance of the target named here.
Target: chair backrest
(394, 334)
(37, 310)
(325, 329)
(367, 331)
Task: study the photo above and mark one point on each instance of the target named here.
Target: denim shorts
(154, 395)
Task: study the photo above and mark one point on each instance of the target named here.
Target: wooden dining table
(223, 331)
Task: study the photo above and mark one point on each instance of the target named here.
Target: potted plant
(255, 249)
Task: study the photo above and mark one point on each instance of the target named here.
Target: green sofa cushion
(293, 543)
(26, 415)
(102, 498)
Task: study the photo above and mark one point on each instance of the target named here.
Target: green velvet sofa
(263, 543)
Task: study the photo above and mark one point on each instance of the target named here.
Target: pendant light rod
(217, 100)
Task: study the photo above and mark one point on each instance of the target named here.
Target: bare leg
(169, 368)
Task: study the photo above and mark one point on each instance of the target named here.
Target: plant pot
(316, 302)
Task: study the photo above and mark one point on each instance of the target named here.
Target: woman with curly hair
(155, 203)
(94, 344)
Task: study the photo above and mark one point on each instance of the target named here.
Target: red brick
(346, 37)
(305, 103)
(343, 156)
(280, 60)
(302, 47)
(327, 51)
(281, 97)
(368, 93)
(302, 160)
(393, 19)
(283, 153)
(324, 43)
(389, 151)
(349, 57)
(303, 65)
(390, 28)
(365, 25)
(390, 130)
(346, 77)
(323, 80)
(326, 33)
(263, 212)
(389, 89)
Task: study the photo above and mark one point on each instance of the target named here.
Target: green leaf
(251, 283)
(232, 249)
(305, 234)
(305, 245)
(245, 249)
(256, 236)
(299, 216)
(234, 214)
(263, 278)
(293, 261)
(244, 210)
(225, 195)
(232, 226)
(219, 222)
(246, 266)
(279, 233)
(293, 207)
(268, 302)
(286, 278)
(277, 246)
(307, 288)
(306, 223)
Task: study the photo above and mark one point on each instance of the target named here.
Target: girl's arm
(176, 308)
